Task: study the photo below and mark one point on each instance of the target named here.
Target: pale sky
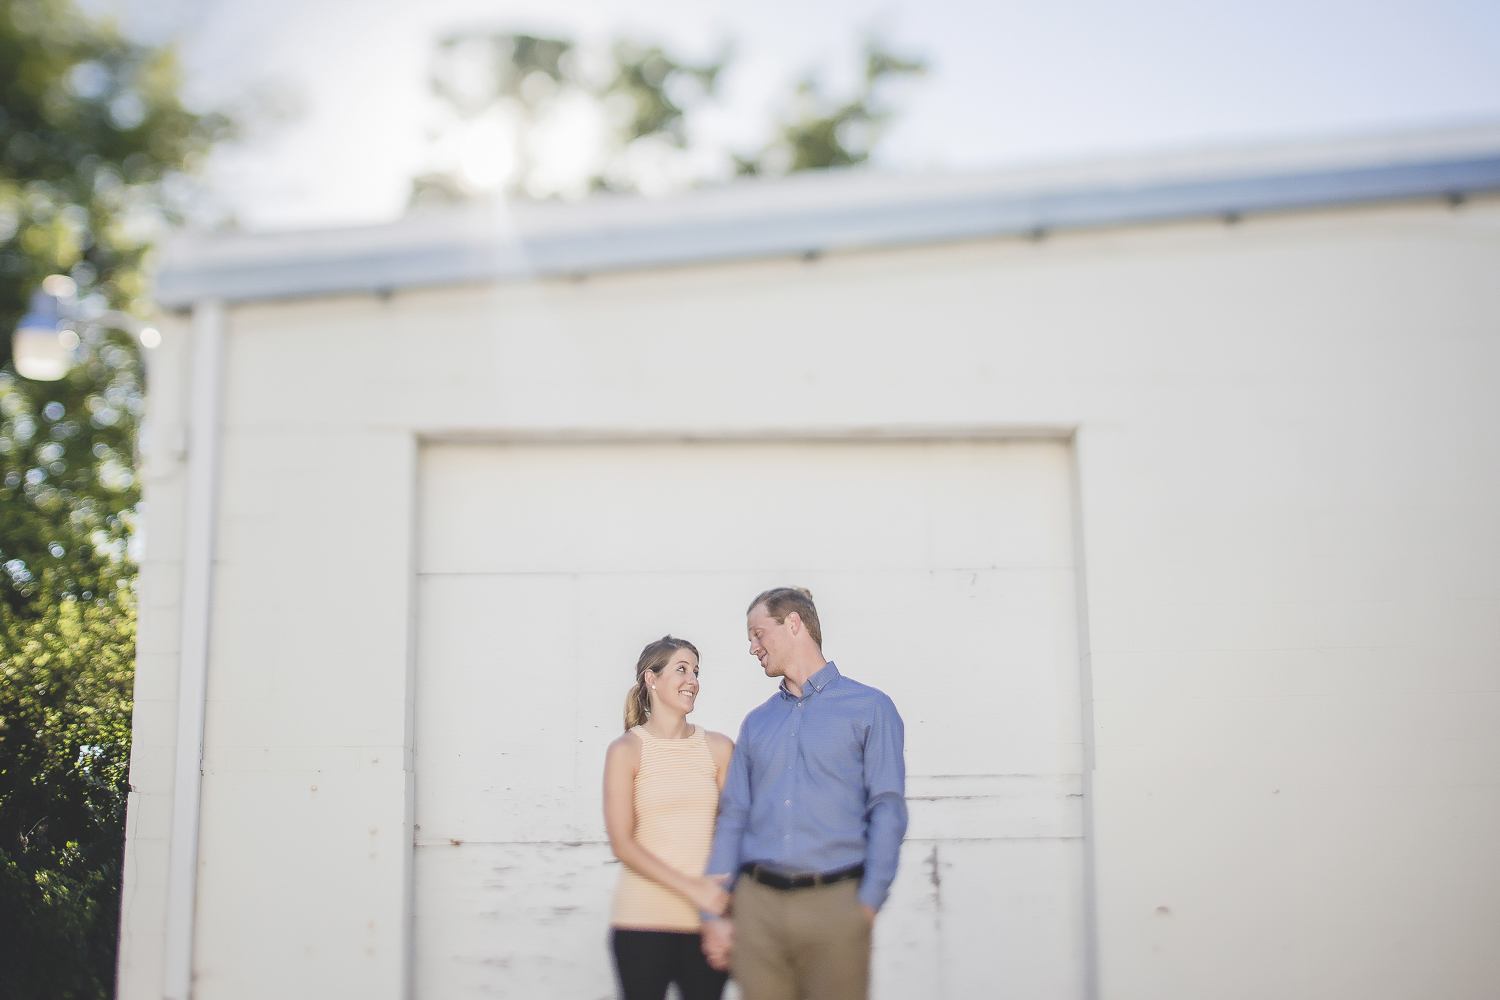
(1011, 82)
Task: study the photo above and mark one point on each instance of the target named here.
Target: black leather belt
(776, 880)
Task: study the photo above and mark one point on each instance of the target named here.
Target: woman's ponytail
(637, 705)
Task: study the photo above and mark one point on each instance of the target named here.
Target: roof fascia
(380, 259)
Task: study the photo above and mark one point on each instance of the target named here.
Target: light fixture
(37, 345)
(43, 346)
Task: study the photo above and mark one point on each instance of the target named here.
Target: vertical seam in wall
(205, 388)
(409, 751)
(1086, 699)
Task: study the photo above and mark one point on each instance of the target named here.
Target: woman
(661, 793)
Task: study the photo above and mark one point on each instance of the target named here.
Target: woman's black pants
(648, 960)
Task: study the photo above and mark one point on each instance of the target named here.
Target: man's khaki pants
(801, 944)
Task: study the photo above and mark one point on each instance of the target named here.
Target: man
(810, 819)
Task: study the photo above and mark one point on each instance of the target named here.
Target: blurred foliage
(94, 145)
(65, 702)
(823, 132)
(647, 85)
(641, 94)
(644, 97)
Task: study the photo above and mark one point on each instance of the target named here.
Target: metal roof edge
(430, 252)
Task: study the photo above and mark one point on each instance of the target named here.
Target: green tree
(94, 148)
(645, 97)
(821, 132)
(65, 749)
(522, 84)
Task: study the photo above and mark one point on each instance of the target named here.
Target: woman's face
(677, 684)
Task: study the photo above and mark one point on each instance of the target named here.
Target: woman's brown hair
(653, 659)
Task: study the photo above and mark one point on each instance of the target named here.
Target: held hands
(718, 942)
(709, 896)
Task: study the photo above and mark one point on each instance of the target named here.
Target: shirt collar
(817, 682)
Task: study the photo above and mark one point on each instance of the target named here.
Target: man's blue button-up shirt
(816, 784)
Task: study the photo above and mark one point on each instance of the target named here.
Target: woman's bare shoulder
(627, 747)
(719, 744)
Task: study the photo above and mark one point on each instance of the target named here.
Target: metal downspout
(205, 389)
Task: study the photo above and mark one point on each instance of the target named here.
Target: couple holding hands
(769, 856)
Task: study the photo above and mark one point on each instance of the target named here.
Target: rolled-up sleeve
(734, 811)
(885, 803)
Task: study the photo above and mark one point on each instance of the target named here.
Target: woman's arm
(620, 766)
(722, 748)
(734, 813)
(718, 935)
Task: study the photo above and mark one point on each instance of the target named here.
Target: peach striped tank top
(676, 802)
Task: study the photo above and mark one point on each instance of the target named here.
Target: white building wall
(1286, 436)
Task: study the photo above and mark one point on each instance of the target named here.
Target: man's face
(770, 642)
